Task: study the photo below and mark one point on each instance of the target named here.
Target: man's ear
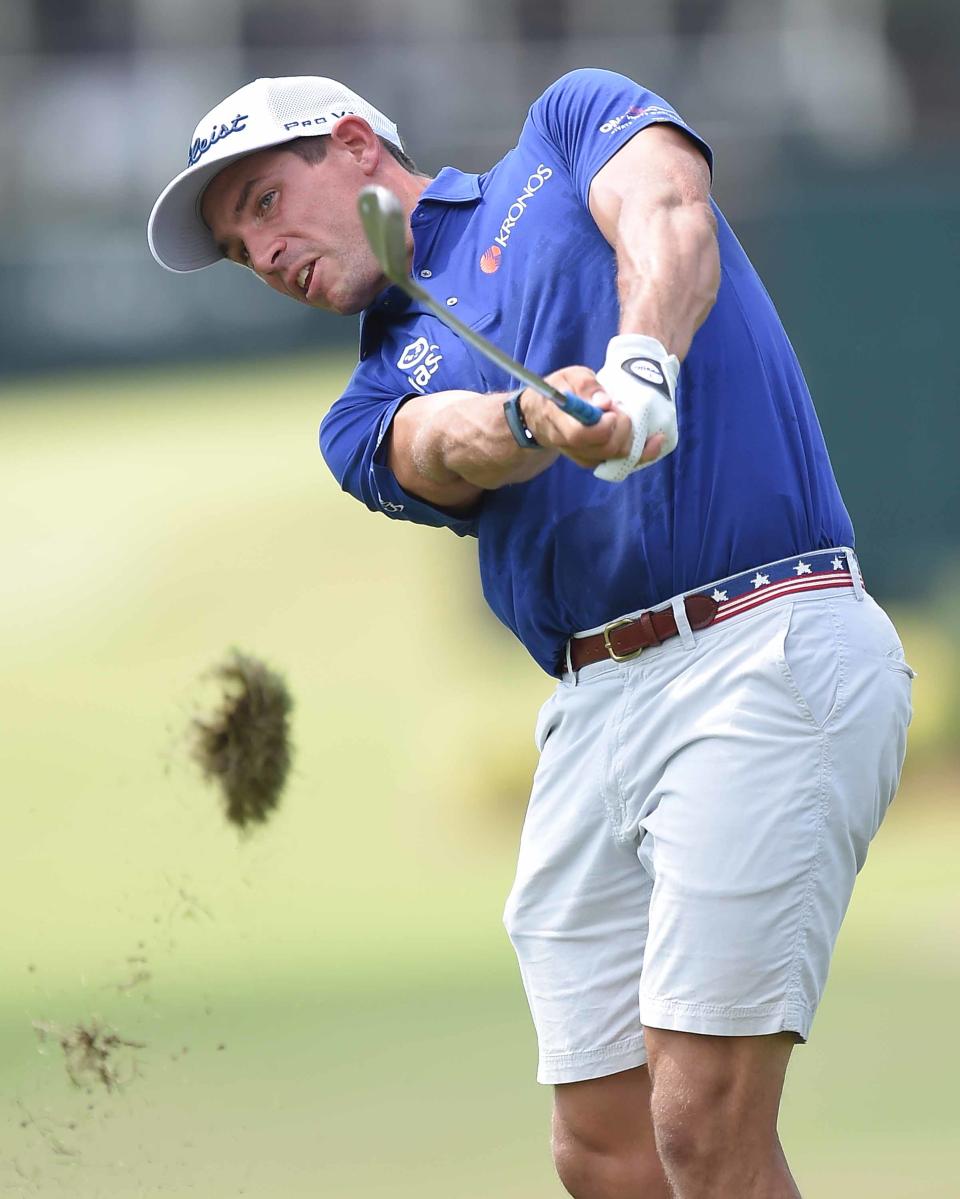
(354, 136)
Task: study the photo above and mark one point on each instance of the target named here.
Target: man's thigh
(742, 1076)
(738, 1078)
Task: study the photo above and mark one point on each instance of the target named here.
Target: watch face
(518, 426)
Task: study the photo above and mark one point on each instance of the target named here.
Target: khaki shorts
(697, 821)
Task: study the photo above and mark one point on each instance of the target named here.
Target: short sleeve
(588, 115)
(353, 444)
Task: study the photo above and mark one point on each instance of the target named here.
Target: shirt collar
(452, 187)
(449, 187)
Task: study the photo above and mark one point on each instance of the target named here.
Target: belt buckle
(608, 629)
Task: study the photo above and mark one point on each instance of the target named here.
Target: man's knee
(589, 1171)
(691, 1129)
(603, 1145)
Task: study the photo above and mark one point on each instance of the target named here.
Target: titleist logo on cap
(201, 145)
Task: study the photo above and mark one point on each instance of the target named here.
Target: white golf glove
(641, 379)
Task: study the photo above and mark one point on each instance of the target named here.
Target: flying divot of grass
(94, 1054)
(243, 745)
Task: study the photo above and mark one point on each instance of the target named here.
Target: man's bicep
(660, 162)
(413, 453)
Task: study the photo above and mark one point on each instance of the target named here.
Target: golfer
(729, 719)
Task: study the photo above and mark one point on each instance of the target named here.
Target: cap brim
(178, 238)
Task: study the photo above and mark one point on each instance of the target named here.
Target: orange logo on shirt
(490, 260)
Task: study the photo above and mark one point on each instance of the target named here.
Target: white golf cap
(265, 113)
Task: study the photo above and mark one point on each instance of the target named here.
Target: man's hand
(642, 379)
(587, 445)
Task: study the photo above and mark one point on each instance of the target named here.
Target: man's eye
(266, 201)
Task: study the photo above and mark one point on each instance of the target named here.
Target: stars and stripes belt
(824, 569)
(623, 639)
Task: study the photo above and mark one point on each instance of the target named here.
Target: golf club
(385, 227)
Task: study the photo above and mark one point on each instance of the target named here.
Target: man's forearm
(668, 267)
(466, 436)
(449, 446)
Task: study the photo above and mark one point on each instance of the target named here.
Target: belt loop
(687, 638)
(568, 661)
(855, 574)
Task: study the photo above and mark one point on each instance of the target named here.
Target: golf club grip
(581, 410)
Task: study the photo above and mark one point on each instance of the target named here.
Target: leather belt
(824, 570)
(624, 639)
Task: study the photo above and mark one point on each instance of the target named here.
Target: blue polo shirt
(516, 255)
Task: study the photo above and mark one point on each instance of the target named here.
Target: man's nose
(265, 255)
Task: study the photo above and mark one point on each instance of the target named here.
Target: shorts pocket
(895, 661)
(811, 660)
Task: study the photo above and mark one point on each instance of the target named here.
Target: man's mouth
(305, 276)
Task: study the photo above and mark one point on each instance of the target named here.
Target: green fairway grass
(330, 1007)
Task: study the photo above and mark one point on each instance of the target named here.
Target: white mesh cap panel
(312, 105)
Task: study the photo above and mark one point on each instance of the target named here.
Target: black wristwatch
(518, 426)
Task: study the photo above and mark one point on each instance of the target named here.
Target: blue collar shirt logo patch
(421, 358)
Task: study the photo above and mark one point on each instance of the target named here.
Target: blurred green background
(331, 1006)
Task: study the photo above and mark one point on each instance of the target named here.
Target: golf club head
(385, 228)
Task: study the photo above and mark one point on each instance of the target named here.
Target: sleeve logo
(419, 361)
(656, 111)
